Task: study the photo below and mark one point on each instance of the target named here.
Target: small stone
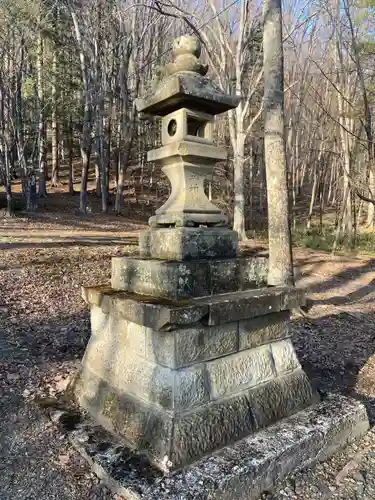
(12, 377)
(56, 416)
(62, 385)
(357, 476)
(64, 459)
(360, 488)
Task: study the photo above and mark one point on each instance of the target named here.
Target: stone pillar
(190, 350)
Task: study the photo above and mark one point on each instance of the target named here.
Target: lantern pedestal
(190, 350)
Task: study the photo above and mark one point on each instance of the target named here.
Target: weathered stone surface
(182, 437)
(225, 276)
(187, 125)
(191, 388)
(253, 270)
(233, 275)
(187, 164)
(191, 219)
(188, 90)
(280, 398)
(99, 321)
(150, 382)
(170, 315)
(239, 371)
(207, 429)
(252, 303)
(144, 427)
(182, 280)
(188, 243)
(129, 373)
(111, 333)
(160, 347)
(284, 357)
(159, 385)
(263, 329)
(172, 280)
(191, 425)
(156, 313)
(242, 470)
(176, 281)
(186, 346)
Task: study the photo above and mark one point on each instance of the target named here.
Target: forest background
(70, 72)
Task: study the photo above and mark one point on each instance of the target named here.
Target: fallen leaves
(65, 459)
(349, 468)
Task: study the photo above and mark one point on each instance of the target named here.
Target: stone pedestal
(241, 471)
(190, 350)
(189, 355)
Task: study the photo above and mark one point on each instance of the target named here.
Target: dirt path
(44, 327)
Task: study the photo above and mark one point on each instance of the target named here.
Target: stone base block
(188, 244)
(167, 315)
(172, 439)
(241, 471)
(127, 357)
(178, 380)
(188, 220)
(113, 336)
(184, 280)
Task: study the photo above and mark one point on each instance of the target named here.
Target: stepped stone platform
(241, 471)
(179, 379)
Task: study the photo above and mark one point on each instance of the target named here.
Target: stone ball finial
(187, 44)
(187, 50)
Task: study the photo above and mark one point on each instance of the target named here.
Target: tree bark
(239, 189)
(87, 118)
(70, 157)
(279, 234)
(54, 125)
(41, 128)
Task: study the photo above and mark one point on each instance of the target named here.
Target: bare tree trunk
(70, 157)
(126, 124)
(41, 128)
(87, 119)
(85, 154)
(97, 176)
(371, 206)
(239, 189)
(313, 197)
(8, 184)
(280, 245)
(339, 228)
(251, 175)
(54, 125)
(367, 114)
(120, 182)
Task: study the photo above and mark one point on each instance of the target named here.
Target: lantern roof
(184, 84)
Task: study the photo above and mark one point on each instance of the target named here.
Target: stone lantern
(187, 101)
(190, 350)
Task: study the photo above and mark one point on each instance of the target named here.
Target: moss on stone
(110, 406)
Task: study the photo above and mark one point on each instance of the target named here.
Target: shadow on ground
(63, 241)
